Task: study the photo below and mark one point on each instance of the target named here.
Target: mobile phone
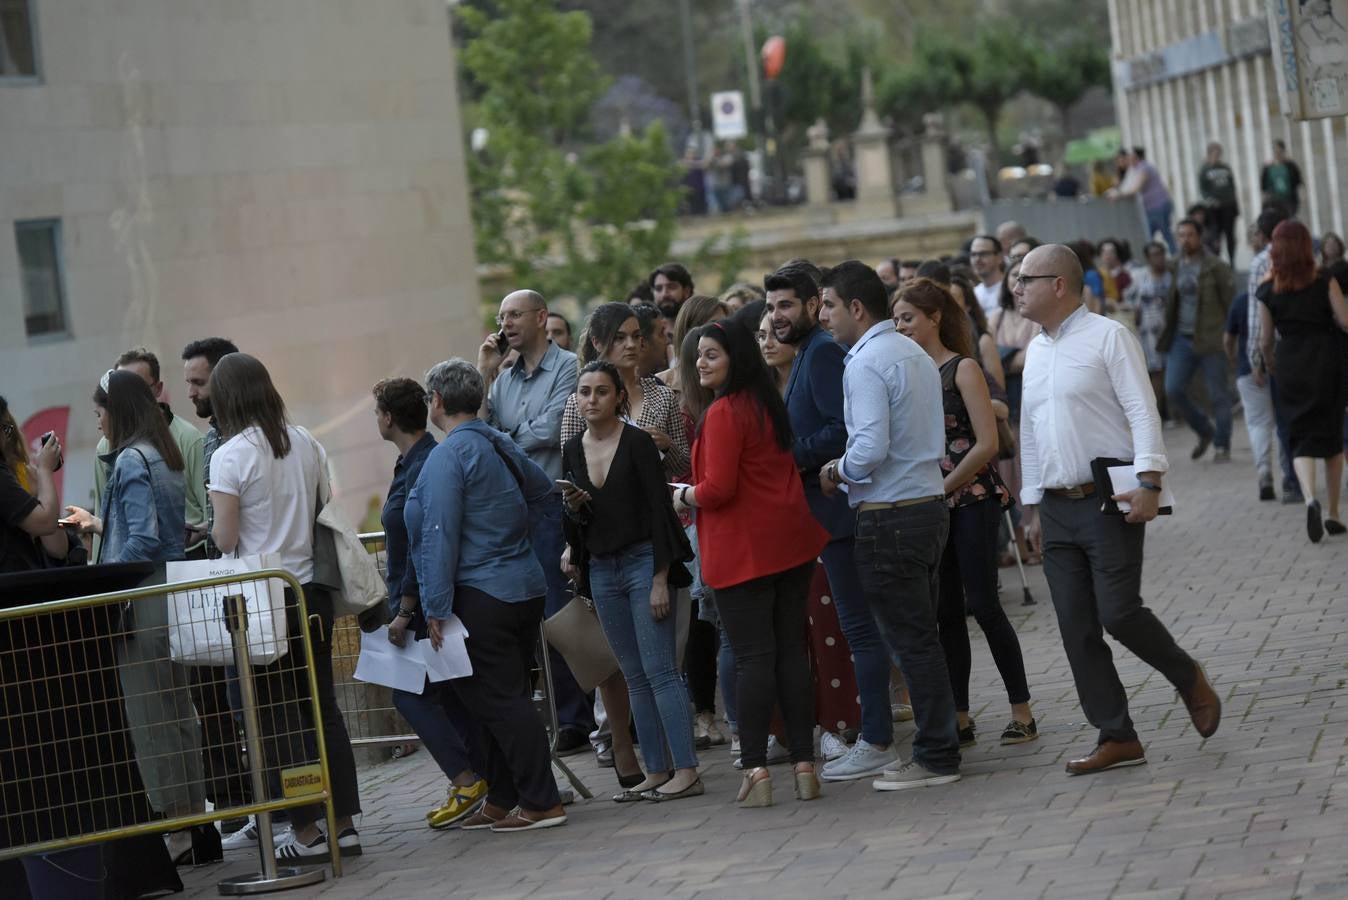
(566, 485)
(60, 460)
(502, 345)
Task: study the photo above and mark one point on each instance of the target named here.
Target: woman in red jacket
(758, 544)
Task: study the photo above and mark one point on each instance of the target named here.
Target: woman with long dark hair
(976, 497)
(622, 531)
(29, 503)
(744, 476)
(1307, 309)
(264, 490)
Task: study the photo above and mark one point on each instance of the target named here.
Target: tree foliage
(563, 214)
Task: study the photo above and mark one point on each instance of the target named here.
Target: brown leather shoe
(1205, 707)
(529, 820)
(1109, 755)
(484, 818)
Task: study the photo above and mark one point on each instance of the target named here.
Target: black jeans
(765, 621)
(969, 577)
(1093, 563)
(502, 641)
(438, 717)
(1221, 224)
(699, 662)
(284, 708)
(898, 561)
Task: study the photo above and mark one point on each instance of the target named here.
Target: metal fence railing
(100, 736)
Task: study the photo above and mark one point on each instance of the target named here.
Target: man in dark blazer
(814, 400)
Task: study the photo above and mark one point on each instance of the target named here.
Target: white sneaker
(246, 837)
(862, 761)
(832, 747)
(735, 745)
(910, 775)
(776, 753)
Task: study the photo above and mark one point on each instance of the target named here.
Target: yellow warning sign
(301, 781)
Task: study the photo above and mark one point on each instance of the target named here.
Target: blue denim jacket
(144, 507)
(400, 572)
(468, 519)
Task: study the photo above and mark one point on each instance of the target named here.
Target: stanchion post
(272, 877)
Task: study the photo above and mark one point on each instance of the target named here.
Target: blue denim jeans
(1181, 364)
(898, 560)
(1158, 219)
(575, 710)
(439, 718)
(645, 648)
(870, 660)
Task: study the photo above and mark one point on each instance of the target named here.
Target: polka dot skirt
(836, 703)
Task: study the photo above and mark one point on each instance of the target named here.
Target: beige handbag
(575, 631)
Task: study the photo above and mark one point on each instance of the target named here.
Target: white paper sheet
(1124, 479)
(451, 661)
(396, 667)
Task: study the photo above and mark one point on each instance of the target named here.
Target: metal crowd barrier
(105, 735)
(370, 717)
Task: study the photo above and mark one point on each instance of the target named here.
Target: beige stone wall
(286, 173)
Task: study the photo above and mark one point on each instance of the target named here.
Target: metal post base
(258, 883)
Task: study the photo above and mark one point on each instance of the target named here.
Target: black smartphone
(502, 345)
(60, 460)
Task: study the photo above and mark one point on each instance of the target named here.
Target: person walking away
(436, 714)
(526, 402)
(743, 476)
(1195, 320)
(895, 439)
(1280, 181)
(814, 401)
(1255, 397)
(621, 529)
(1087, 370)
(1307, 308)
(468, 521)
(976, 496)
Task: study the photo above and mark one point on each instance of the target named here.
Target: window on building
(44, 302)
(18, 53)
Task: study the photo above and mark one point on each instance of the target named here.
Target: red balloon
(774, 56)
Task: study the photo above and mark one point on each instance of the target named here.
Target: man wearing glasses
(526, 401)
(985, 255)
(1087, 395)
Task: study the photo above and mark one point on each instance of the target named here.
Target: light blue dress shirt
(529, 407)
(895, 419)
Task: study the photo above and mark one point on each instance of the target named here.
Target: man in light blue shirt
(892, 406)
(526, 401)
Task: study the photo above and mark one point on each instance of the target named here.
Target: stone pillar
(875, 174)
(817, 189)
(935, 196)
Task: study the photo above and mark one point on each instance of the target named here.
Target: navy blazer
(814, 400)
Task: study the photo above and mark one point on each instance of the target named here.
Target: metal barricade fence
(122, 713)
(372, 720)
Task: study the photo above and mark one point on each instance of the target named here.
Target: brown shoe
(484, 818)
(1205, 707)
(1109, 755)
(529, 820)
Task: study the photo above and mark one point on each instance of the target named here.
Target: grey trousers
(1093, 563)
(163, 722)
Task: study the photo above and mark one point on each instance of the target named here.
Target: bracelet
(683, 496)
(1149, 485)
(405, 614)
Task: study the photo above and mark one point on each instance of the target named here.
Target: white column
(1310, 170)
(1173, 148)
(1332, 175)
(1250, 133)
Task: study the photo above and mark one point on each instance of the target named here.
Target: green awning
(1103, 143)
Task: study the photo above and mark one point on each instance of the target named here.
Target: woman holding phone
(622, 529)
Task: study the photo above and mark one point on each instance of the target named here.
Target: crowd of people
(798, 492)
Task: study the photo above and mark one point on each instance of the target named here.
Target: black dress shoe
(1315, 528)
(1333, 526)
(571, 740)
(1266, 492)
(1203, 444)
(205, 848)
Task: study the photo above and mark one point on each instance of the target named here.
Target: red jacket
(752, 518)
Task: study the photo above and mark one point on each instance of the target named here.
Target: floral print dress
(959, 440)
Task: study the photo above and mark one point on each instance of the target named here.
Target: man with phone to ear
(526, 401)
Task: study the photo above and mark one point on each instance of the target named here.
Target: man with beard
(199, 359)
(985, 255)
(671, 284)
(814, 400)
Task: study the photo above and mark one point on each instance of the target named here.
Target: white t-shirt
(988, 297)
(277, 497)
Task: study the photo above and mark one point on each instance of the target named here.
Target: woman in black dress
(1307, 308)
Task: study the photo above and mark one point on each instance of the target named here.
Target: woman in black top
(622, 529)
(29, 504)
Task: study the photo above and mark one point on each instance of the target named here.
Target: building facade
(286, 173)
(1187, 72)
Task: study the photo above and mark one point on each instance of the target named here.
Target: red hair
(1293, 257)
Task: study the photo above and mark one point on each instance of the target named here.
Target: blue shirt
(1238, 326)
(529, 407)
(892, 404)
(400, 574)
(468, 519)
(143, 507)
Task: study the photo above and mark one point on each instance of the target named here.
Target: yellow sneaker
(461, 803)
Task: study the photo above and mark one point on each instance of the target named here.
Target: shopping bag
(198, 633)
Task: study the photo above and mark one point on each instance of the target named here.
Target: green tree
(563, 215)
(1065, 69)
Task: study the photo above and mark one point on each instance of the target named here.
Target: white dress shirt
(1085, 395)
(990, 298)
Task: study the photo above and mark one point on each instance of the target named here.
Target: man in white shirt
(1087, 395)
(985, 255)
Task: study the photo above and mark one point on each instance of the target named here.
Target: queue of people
(691, 488)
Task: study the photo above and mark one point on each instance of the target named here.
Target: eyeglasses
(430, 395)
(514, 316)
(1023, 281)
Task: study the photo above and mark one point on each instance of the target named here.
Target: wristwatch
(405, 614)
(1149, 485)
